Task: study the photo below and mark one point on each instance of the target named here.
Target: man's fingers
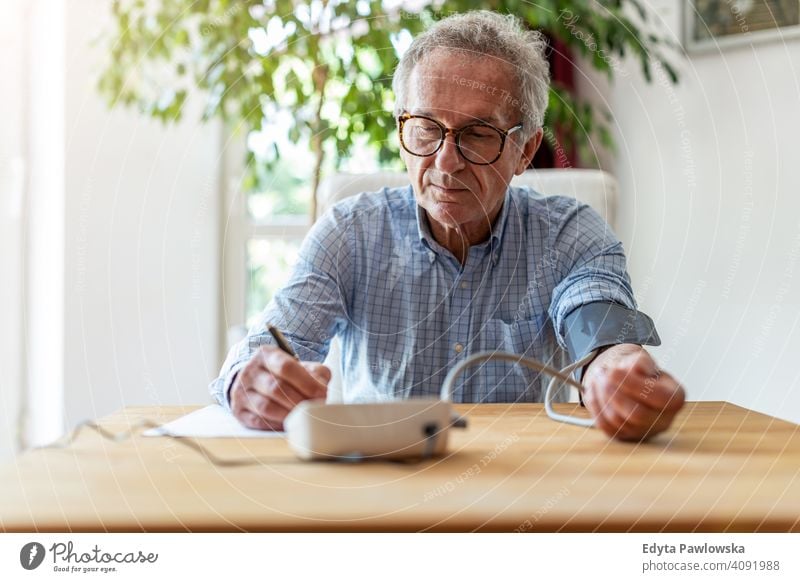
(322, 374)
(255, 410)
(264, 389)
(611, 426)
(604, 417)
(257, 378)
(266, 406)
(634, 428)
(626, 408)
(661, 393)
(272, 384)
(642, 362)
(252, 400)
(290, 372)
(286, 396)
(633, 413)
(259, 422)
(279, 363)
(319, 371)
(271, 366)
(603, 424)
(658, 392)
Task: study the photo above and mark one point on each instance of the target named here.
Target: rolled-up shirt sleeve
(309, 309)
(593, 304)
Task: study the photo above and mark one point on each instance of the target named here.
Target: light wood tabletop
(719, 468)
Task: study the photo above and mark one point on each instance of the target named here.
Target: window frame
(237, 229)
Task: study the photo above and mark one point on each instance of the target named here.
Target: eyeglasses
(478, 143)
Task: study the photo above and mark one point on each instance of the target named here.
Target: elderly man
(413, 280)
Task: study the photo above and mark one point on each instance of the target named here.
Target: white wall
(142, 244)
(44, 209)
(709, 175)
(12, 164)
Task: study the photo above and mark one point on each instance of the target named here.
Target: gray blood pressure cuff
(594, 325)
(601, 323)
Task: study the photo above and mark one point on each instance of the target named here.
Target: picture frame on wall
(718, 24)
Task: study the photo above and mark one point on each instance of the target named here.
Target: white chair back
(596, 188)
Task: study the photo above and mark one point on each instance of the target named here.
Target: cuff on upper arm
(601, 323)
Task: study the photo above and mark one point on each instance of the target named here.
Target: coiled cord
(552, 387)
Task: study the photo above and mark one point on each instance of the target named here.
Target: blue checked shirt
(406, 311)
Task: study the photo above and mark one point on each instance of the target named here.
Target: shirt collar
(427, 240)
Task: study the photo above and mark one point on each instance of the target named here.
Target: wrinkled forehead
(460, 88)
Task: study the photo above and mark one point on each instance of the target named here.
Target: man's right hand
(271, 384)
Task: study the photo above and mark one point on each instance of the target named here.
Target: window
(277, 213)
(267, 217)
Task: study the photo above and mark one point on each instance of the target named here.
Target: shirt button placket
(459, 338)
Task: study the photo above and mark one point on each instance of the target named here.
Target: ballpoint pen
(281, 341)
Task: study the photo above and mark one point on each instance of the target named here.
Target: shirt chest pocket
(516, 336)
(504, 381)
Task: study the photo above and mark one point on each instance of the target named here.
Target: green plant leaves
(331, 68)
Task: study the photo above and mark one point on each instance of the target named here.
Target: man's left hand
(627, 394)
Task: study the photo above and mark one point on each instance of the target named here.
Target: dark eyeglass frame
(503, 133)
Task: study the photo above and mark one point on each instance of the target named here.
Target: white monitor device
(416, 428)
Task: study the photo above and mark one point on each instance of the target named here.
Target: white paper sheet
(210, 422)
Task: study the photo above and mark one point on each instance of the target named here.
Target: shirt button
(458, 348)
(464, 284)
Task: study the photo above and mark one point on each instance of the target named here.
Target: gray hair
(485, 33)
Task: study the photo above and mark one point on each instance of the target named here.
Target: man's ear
(528, 151)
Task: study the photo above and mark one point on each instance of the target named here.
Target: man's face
(458, 90)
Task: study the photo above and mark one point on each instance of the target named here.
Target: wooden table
(719, 468)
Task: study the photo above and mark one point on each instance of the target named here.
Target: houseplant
(328, 63)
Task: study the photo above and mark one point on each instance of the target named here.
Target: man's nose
(448, 160)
